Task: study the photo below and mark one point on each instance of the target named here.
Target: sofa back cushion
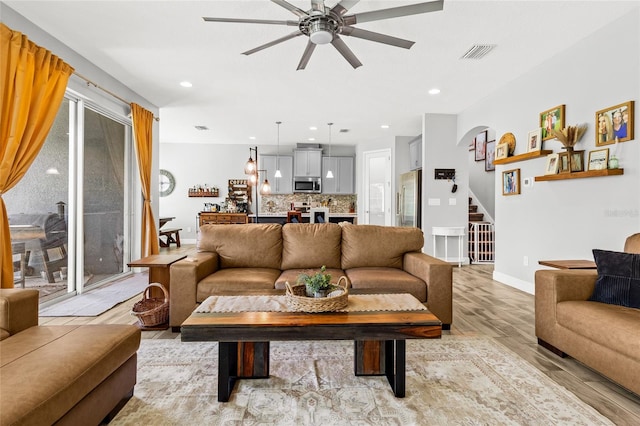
(632, 244)
(381, 246)
(243, 246)
(311, 245)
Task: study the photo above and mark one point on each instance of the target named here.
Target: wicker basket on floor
(298, 301)
(152, 311)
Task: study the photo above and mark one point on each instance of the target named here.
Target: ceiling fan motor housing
(320, 28)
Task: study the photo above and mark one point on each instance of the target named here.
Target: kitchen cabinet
(307, 162)
(343, 175)
(415, 154)
(270, 163)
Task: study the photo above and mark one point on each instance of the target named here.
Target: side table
(569, 264)
(448, 231)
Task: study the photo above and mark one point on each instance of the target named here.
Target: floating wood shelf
(204, 194)
(578, 175)
(523, 157)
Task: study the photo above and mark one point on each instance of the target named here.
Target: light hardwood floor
(482, 306)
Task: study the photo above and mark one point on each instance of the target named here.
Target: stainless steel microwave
(307, 184)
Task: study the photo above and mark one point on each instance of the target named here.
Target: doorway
(377, 187)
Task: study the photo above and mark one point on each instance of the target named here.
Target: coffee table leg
(227, 369)
(253, 360)
(395, 365)
(369, 358)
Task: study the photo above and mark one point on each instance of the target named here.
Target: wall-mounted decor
(552, 164)
(490, 155)
(481, 138)
(577, 161)
(511, 182)
(472, 145)
(563, 162)
(502, 151)
(598, 159)
(534, 140)
(614, 122)
(551, 119)
(510, 140)
(167, 182)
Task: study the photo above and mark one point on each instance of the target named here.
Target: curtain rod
(91, 83)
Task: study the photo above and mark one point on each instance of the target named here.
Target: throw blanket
(357, 303)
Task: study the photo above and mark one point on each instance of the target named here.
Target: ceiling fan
(323, 25)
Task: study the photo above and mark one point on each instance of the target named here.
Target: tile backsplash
(282, 203)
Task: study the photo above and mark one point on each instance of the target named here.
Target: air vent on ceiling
(202, 128)
(478, 51)
(344, 130)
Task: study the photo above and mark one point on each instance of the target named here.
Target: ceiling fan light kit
(323, 26)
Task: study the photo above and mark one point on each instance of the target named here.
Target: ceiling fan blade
(273, 43)
(306, 55)
(343, 7)
(395, 12)
(377, 37)
(317, 5)
(251, 21)
(297, 11)
(346, 52)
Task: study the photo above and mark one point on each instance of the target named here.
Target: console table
(446, 232)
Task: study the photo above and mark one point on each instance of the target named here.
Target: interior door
(377, 187)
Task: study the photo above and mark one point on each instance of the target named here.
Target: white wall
(566, 219)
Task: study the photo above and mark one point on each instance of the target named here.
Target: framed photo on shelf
(552, 164)
(551, 119)
(534, 140)
(598, 159)
(563, 163)
(490, 155)
(502, 151)
(511, 182)
(614, 122)
(577, 161)
(481, 138)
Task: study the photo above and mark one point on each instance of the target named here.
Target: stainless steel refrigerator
(409, 202)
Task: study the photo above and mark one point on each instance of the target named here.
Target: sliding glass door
(70, 213)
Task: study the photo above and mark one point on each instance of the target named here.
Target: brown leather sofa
(604, 337)
(258, 257)
(61, 374)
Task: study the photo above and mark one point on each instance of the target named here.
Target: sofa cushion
(311, 245)
(382, 246)
(618, 280)
(243, 246)
(612, 326)
(236, 279)
(387, 280)
(47, 370)
(291, 275)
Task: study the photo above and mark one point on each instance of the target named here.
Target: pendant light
(329, 172)
(278, 174)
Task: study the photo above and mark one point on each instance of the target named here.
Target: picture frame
(552, 164)
(502, 151)
(598, 159)
(577, 161)
(472, 145)
(480, 139)
(534, 140)
(563, 162)
(490, 156)
(615, 121)
(552, 119)
(511, 182)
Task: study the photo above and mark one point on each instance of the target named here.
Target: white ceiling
(151, 46)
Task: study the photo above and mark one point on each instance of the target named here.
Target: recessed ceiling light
(253, 138)
(384, 126)
(186, 84)
(313, 128)
(434, 91)
(312, 139)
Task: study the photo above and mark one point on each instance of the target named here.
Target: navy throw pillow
(618, 280)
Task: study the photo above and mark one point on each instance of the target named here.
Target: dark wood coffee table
(380, 340)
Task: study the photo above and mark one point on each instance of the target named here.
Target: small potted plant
(318, 284)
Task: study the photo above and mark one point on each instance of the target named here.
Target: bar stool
(294, 217)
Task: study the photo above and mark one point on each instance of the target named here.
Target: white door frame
(366, 157)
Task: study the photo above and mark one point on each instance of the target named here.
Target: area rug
(452, 381)
(97, 301)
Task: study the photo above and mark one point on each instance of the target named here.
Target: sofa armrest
(185, 276)
(438, 275)
(18, 310)
(553, 286)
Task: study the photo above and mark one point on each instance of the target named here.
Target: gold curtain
(142, 130)
(32, 86)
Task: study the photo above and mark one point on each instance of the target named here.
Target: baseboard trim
(516, 283)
